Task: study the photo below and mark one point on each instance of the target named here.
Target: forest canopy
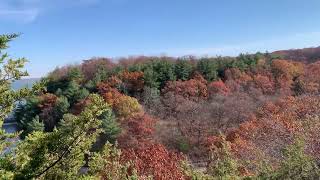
(254, 116)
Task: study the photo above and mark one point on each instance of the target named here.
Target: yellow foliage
(127, 106)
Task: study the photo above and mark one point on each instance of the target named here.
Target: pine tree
(110, 126)
(35, 125)
(61, 153)
(183, 70)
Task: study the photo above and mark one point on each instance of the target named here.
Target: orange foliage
(236, 74)
(218, 87)
(193, 89)
(112, 82)
(286, 68)
(155, 160)
(123, 105)
(138, 130)
(133, 81)
(276, 126)
(285, 72)
(264, 83)
(310, 81)
(111, 95)
(47, 100)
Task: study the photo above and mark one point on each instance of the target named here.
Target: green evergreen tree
(150, 78)
(82, 93)
(111, 128)
(75, 74)
(74, 92)
(26, 111)
(61, 153)
(101, 75)
(183, 69)
(208, 68)
(35, 125)
(165, 72)
(158, 72)
(61, 107)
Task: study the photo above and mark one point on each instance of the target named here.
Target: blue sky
(59, 32)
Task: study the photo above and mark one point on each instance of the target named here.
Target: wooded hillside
(252, 116)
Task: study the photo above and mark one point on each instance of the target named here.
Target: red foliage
(237, 75)
(155, 160)
(110, 94)
(112, 82)
(305, 55)
(141, 126)
(133, 81)
(47, 115)
(138, 129)
(47, 101)
(310, 81)
(193, 89)
(218, 87)
(275, 127)
(264, 83)
(79, 107)
(90, 67)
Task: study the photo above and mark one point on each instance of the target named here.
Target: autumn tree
(156, 161)
(132, 82)
(138, 129)
(93, 68)
(193, 89)
(218, 87)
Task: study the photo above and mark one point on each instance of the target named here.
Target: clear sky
(58, 32)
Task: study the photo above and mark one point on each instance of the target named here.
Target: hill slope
(307, 55)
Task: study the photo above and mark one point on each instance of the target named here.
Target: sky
(60, 32)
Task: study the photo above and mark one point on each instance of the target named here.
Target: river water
(10, 126)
